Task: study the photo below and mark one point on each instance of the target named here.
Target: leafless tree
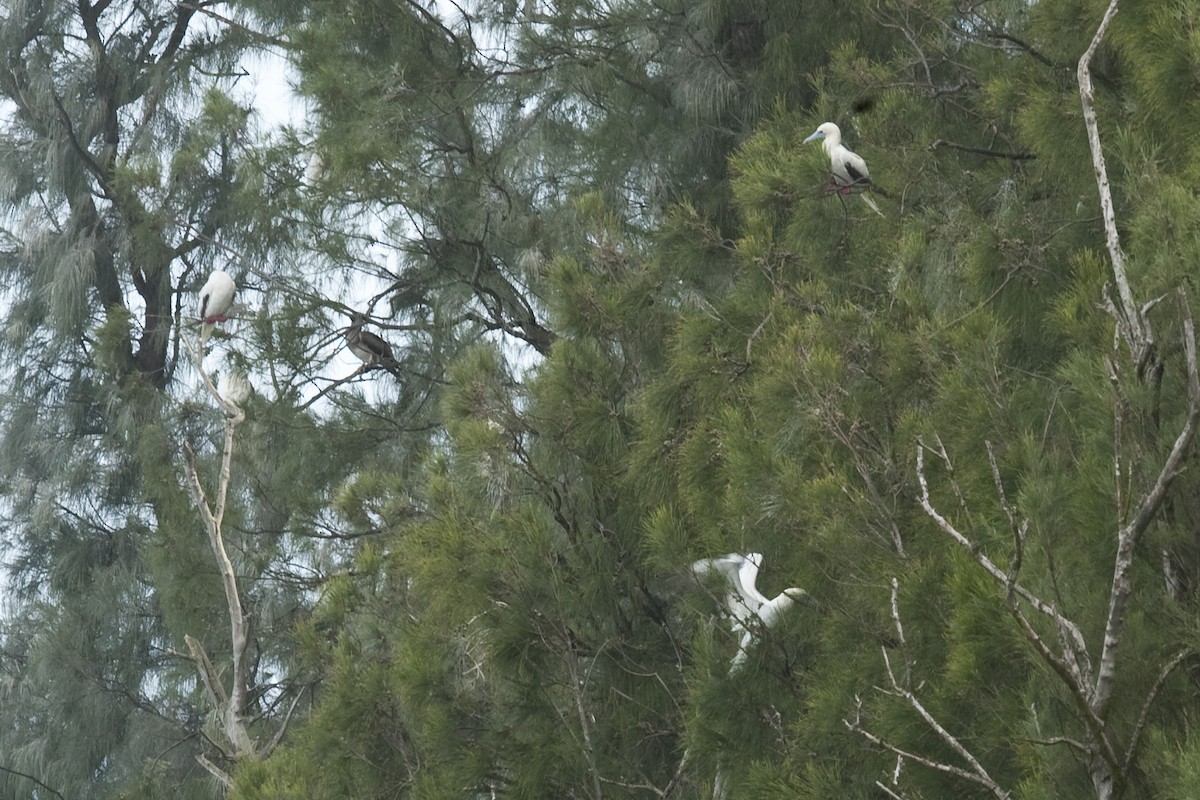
(231, 704)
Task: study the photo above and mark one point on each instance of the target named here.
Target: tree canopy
(631, 325)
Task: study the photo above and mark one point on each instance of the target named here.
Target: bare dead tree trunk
(1132, 322)
(1134, 326)
(231, 705)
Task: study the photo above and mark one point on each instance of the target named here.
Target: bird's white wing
(848, 167)
(740, 573)
(216, 296)
(215, 301)
(746, 581)
(727, 565)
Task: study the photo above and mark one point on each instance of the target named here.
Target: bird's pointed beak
(815, 135)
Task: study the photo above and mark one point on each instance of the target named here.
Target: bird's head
(357, 320)
(797, 595)
(828, 131)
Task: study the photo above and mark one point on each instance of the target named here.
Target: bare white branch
(1004, 506)
(1071, 632)
(1072, 743)
(900, 636)
(218, 773)
(229, 705)
(896, 611)
(1118, 433)
(208, 674)
(1129, 535)
(232, 706)
(1133, 325)
(1073, 666)
(977, 775)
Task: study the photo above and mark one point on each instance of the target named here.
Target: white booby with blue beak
(850, 172)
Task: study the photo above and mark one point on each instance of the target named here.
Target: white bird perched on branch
(370, 348)
(314, 170)
(234, 386)
(850, 172)
(216, 299)
(747, 606)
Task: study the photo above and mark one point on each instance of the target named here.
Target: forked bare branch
(1091, 690)
(1069, 630)
(976, 773)
(1145, 510)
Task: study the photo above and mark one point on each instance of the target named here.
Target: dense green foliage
(632, 330)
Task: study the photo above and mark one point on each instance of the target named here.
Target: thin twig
(930, 763)
(983, 151)
(978, 773)
(1075, 635)
(1136, 738)
(29, 777)
(1074, 665)
(888, 791)
(283, 726)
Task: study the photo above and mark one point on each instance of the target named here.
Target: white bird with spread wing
(215, 302)
(749, 609)
(850, 172)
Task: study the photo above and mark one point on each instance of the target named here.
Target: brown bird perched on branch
(370, 348)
